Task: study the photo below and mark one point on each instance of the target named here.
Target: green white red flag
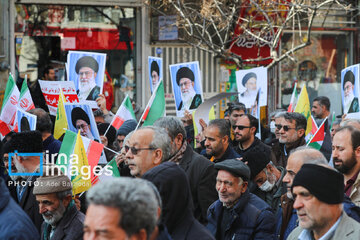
(25, 101)
(293, 100)
(9, 107)
(125, 112)
(155, 108)
(110, 171)
(317, 140)
(92, 148)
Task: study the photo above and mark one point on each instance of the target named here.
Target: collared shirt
(350, 183)
(308, 235)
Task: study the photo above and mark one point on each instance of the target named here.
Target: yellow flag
(61, 122)
(79, 165)
(303, 107)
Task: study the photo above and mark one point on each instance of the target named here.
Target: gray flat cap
(235, 167)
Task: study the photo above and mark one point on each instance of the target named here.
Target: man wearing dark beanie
(319, 192)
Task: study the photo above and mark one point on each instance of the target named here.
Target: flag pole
(307, 144)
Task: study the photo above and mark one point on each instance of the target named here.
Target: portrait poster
(249, 82)
(350, 89)
(86, 70)
(187, 87)
(51, 91)
(26, 121)
(155, 71)
(80, 117)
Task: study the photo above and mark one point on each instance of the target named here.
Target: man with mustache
(185, 78)
(61, 218)
(346, 159)
(319, 208)
(87, 68)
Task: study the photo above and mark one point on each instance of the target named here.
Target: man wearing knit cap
(87, 67)
(81, 121)
(238, 214)
(61, 218)
(189, 98)
(266, 176)
(318, 193)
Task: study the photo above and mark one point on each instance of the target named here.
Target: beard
(85, 87)
(348, 100)
(19, 168)
(345, 168)
(53, 217)
(187, 98)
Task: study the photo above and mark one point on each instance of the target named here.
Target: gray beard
(56, 215)
(187, 98)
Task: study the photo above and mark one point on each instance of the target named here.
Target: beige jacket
(355, 192)
(348, 229)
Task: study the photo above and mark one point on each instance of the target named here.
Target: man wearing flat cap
(87, 67)
(185, 78)
(53, 193)
(81, 121)
(238, 214)
(318, 193)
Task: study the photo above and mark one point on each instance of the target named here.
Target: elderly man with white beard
(350, 101)
(189, 98)
(87, 68)
(61, 218)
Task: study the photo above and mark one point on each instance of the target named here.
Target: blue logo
(26, 155)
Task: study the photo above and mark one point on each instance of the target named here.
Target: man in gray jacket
(318, 192)
(62, 220)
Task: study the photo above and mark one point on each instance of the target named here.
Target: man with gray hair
(53, 193)
(121, 208)
(292, 129)
(287, 219)
(148, 147)
(199, 170)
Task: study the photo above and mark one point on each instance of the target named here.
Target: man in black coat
(199, 170)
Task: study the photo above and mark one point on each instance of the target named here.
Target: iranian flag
(25, 101)
(155, 108)
(92, 148)
(9, 106)
(125, 112)
(110, 171)
(293, 100)
(317, 140)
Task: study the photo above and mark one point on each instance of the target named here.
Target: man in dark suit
(189, 98)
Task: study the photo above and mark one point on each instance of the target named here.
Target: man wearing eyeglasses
(292, 135)
(87, 68)
(185, 78)
(148, 147)
(244, 131)
(81, 121)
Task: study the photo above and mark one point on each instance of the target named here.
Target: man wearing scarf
(199, 170)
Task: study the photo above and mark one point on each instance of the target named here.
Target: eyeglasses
(135, 150)
(83, 126)
(240, 127)
(86, 73)
(285, 127)
(186, 83)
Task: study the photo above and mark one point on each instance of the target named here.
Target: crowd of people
(225, 183)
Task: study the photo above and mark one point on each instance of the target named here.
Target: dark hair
(355, 135)
(236, 106)
(43, 121)
(300, 120)
(223, 126)
(323, 101)
(349, 77)
(254, 122)
(47, 69)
